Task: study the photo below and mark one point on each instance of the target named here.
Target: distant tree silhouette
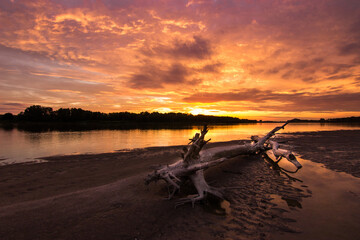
(63, 114)
(348, 119)
(38, 113)
(8, 117)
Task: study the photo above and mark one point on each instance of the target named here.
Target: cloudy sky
(258, 59)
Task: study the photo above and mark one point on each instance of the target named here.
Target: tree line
(37, 113)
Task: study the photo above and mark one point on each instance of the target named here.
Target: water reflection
(87, 126)
(332, 211)
(291, 202)
(280, 170)
(239, 128)
(22, 143)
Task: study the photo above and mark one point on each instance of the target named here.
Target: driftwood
(194, 162)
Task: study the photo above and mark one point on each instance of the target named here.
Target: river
(19, 146)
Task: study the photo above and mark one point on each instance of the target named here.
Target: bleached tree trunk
(194, 162)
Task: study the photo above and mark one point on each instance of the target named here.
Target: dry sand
(102, 196)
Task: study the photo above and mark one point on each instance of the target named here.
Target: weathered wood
(195, 161)
(280, 153)
(190, 166)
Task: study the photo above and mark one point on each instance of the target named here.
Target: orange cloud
(216, 57)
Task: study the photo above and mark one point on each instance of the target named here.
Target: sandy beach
(103, 196)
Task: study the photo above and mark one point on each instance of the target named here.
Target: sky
(259, 59)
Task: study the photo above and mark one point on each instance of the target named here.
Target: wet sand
(103, 196)
(337, 150)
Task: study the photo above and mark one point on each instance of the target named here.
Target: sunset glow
(269, 60)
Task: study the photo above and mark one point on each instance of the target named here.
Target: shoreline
(338, 150)
(103, 196)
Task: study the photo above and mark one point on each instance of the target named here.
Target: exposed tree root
(194, 162)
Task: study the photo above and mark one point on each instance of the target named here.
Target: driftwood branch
(194, 161)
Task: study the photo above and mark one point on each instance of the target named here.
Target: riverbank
(102, 196)
(337, 150)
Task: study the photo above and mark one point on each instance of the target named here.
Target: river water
(18, 146)
(332, 211)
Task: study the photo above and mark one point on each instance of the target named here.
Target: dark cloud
(312, 70)
(123, 4)
(337, 68)
(13, 104)
(144, 80)
(350, 45)
(197, 48)
(151, 76)
(304, 70)
(253, 95)
(176, 74)
(309, 79)
(350, 49)
(12, 107)
(339, 77)
(326, 102)
(299, 101)
(212, 68)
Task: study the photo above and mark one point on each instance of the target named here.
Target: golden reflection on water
(244, 131)
(22, 146)
(332, 211)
